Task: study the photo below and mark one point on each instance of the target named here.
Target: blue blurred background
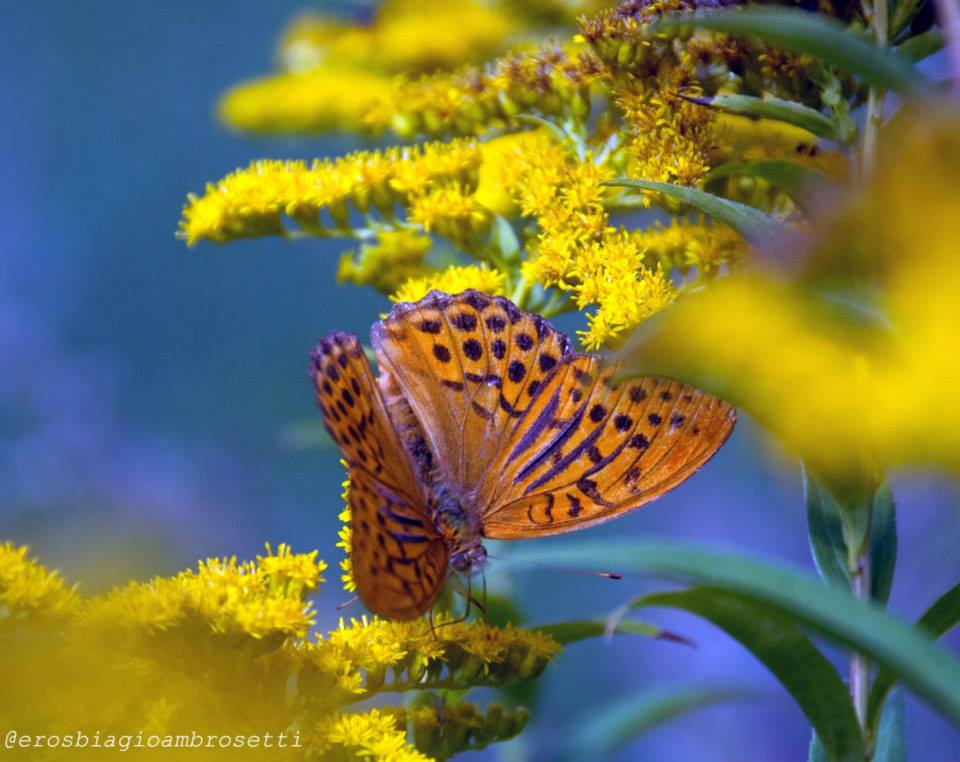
(145, 389)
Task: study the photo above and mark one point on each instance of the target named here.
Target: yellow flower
(502, 158)
(549, 82)
(27, 589)
(451, 211)
(345, 535)
(739, 138)
(372, 735)
(268, 195)
(248, 600)
(405, 36)
(221, 650)
(849, 386)
(686, 245)
(396, 256)
(321, 100)
(453, 280)
(671, 138)
(613, 276)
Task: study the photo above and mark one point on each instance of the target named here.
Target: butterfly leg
(483, 595)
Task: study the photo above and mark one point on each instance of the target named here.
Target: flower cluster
(549, 82)
(263, 198)
(519, 202)
(224, 649)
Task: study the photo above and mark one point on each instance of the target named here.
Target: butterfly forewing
(590, 450)
(399, 560)
(470, 366)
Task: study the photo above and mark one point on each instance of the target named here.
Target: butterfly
(484, 423)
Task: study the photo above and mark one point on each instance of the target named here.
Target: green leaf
(883, 544)
(504, 238)
(923, 45)
(891, 737)
(793, 179)
(816, 753)
(749, 222)
(825, 531)
(615, 725)
(938, 620)
(566, 633)
(811, 33)
(796, 662)
(779, 109)
(930, 671)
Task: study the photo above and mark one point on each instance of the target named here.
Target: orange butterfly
(486, 424)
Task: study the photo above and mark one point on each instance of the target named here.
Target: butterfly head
(469, 559)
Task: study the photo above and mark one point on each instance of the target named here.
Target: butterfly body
(485, 424)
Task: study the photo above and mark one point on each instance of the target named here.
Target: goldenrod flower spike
(221, 649)
(280, 198)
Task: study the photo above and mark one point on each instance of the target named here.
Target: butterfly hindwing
(399, 561)
(589, 450)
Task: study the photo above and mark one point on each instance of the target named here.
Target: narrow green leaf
(825, 532)
(793, 179)
(929, 670)
(816, 753)
(566, 633)
(811, 33)
(850, 495)
(891, 743)
(810, 679)
(883, 544)
(614, 726)
(923, 45)
(938, 620)
(779, 109)
(750, 222)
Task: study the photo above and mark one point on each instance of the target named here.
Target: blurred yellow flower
(850, 380)
(221, 651)
(321, 100)
(405, 36)
(28, 589)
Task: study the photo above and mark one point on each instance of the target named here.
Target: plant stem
(859, 667)
(876, 96)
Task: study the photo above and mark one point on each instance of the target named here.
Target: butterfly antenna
(564, 569)
(343, 605)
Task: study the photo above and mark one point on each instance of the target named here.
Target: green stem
(859, 667)
(876, 97)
